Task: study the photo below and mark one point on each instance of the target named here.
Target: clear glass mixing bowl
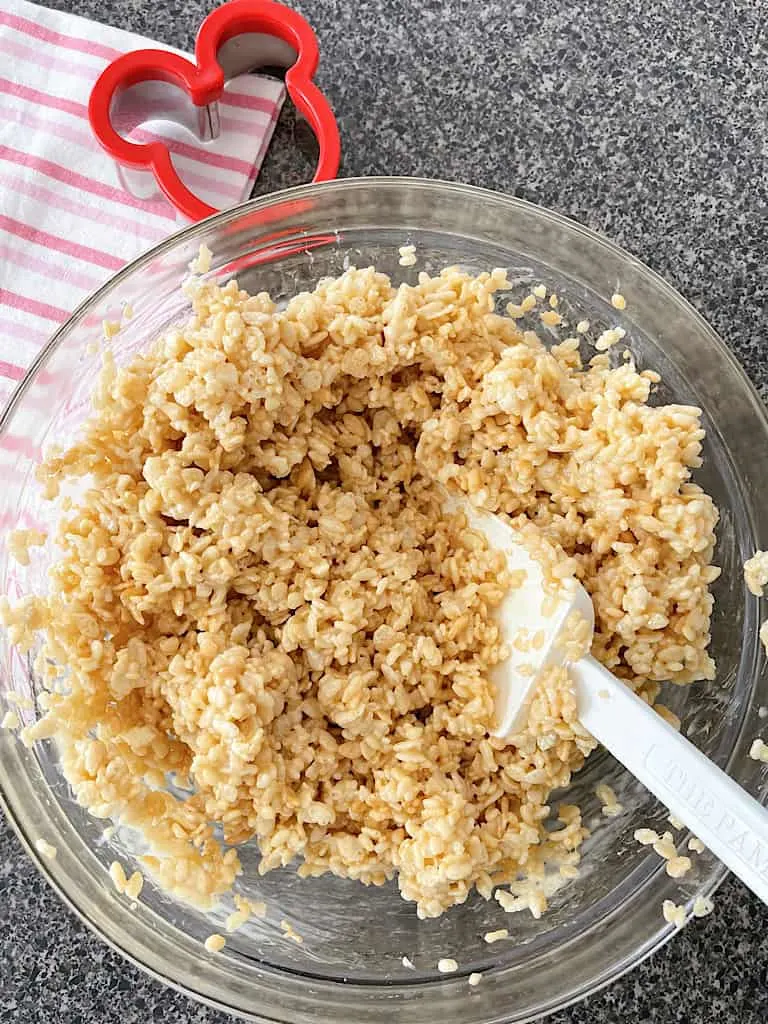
(350, 966)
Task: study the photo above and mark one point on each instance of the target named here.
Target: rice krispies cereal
(261, 594)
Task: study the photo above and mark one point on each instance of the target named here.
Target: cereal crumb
(696, 845)
(618, 301)
(551, 318)
(605, 794)
(646, 836)
(762, 711)
(134, 885)
(554, 301)
(447, 965)
(678, 866)
(202, 262)
(236, 920)
(408, 963)
(407, 255)
(528, 304)
(675, 822)
(475, 978)
(215, 943)
(702, 906)
(20, 700)
(10, 720)
(759, 750)
(20, 541)
(127, 311)
(609, 338)
(540, 291)
(500, 933)
(668, 715)
(110, 328)
(665, 846)
(756, 572)
(673, 914)
(582, 326)
(290, 932)
(46, 849)
(117, 874)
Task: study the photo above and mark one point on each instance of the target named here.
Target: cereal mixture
(259, 596)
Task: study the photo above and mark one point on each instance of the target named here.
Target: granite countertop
(643, 119)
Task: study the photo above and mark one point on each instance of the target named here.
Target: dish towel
(66, 223)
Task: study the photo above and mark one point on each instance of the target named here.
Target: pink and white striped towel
(66, 223)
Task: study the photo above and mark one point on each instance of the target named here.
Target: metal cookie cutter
(240, 36)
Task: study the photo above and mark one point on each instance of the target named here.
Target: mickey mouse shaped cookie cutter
(240, 36)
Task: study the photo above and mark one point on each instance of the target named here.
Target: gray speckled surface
(644, 120)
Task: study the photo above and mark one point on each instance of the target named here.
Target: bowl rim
(52, 872)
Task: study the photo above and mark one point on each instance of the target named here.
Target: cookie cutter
(240, 36)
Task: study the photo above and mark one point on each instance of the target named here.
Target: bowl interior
(350, 961)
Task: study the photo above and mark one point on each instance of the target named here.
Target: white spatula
(716, 809)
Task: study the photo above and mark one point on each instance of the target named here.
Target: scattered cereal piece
(236, 920)
(665, 846)
(407, 255)
(696, 845)
(215, 943)
(127, 311)
(10, 720)
(553, 301)
(110, 328)
(569, 871)
(514, 311)
(134, 885)
(609, 338)
(46, 849)
(675, 822)
(607, 797)
(447, 965)
(673, 914)
(618, 301)
(117, 874)
(756, 572)
(475, 979)
(646, 836)
(202, 262)
(702, 906)
(20, 541)
(500, 933)
(759, 750)
(678, 866)
(668, 715)
(551, 318)
(762, 711)
(528, 304)
(408, 963)
(540, 291)
(290, 932)
(582, 326)
(20, 700)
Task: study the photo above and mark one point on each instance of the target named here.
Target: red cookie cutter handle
(203, 82)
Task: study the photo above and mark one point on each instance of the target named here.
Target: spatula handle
(732, 824)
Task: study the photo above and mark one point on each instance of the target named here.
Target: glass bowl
(350, 967)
